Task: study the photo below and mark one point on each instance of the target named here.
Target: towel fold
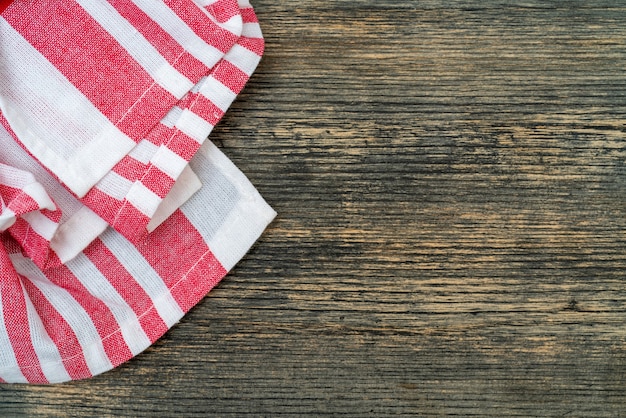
(117, 216)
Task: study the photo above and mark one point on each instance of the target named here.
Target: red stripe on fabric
(53, 261)
(11, 246)
(34, 245)
(16, 321)
(204, 27)
(53, 215)
(248, 15)
(186, 101)
(17, 200)
(116, 348)
(175, 141)
(157, 181)
(130, 169)
(189, 278)
(109, 330)
(231, 76)
(207, 110)
(256, 45)
(4, 4)
(131, 291)
(61, 334)
(130, 222)
(145, 113)
(120, 214)
(183, 145)
(167, 46)
(223, 10)
(96, 63)
(104, 205)
(9, 192)
(186, 64)
(159, 133)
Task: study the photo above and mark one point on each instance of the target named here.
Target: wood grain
(451, 240)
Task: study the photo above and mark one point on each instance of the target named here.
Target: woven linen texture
(131, 195)
(117, 216)
(84, 81)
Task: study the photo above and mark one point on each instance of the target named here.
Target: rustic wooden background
(451, 240)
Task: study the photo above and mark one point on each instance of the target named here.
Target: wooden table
(450, 179)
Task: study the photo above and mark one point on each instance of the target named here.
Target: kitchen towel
(131, 194)
(117, 215)
(82, 85)
(131, 197)
(115, 298)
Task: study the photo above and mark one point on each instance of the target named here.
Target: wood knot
(572, 305)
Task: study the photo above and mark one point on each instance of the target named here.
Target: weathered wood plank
(449, 178)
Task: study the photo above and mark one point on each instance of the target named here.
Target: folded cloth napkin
(116, 298)
(117, 217)
(99, 92)
(130, 195)
(28, 213)
(82, 85)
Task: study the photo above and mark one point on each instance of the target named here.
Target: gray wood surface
(451, 239)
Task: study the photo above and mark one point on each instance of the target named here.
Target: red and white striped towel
(116, 298)
(134, 190)
(28, 213)
(131, 197)
(120, 112)
(103, 105)
(82, 85)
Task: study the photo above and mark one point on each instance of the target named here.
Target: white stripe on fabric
(233, 24)
(114, 185)
(178, 29)
(41, 224)
(16, 156)
(39, 195)
(243, 58)
(46, 350)
(144, 199)
(196, 88)
(77, 318)
(185, 186)
(169, 162)
(143, 273)
(74, 235)
(172, 116)
(230, 237)
(9, 369)
(194, 126)
(7, 218)
(48, 114)
(138, 47)
(219, 94)
(14, 177)
(98, 285)
(144, 151)
(252, 30)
